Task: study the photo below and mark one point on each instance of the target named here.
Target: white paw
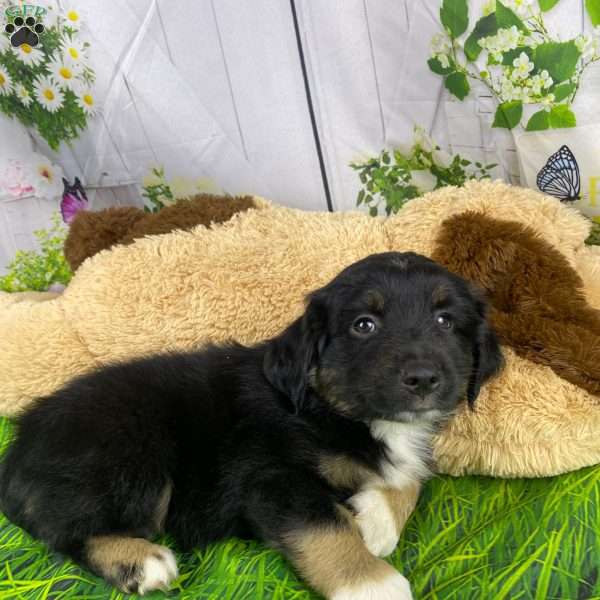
(393, 587)
(375, 521)
(158, 571)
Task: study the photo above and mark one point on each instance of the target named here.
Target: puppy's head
(394, 336)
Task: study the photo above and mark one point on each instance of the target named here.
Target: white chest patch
(409, 449)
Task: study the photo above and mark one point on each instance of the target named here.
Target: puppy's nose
(421, 379)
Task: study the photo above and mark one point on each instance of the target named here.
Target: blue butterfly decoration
(559, 177)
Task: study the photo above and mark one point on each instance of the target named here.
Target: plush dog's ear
(487, 356)
(290, 356)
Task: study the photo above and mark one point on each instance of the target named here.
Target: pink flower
(14, 179)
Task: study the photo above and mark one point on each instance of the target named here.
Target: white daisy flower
(6, 85)
(72, 17)
(23, 95)
(28, 55)
(65, 73)
(48, 182)
(74, 51)
(442, 158)
(48, 94)
(440, 44)
(182, 187)
(523, 8)
(87, 101)
(4, 42)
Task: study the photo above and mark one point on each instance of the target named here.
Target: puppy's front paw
(375, 521)
(393, 587)
(158, 571)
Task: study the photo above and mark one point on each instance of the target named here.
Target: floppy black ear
(290, 356)
(487, 356)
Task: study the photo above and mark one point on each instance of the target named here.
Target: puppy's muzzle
(421, 378)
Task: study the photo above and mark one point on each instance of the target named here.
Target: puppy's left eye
(364, 326)
(444, 321)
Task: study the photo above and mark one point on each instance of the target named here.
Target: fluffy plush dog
(93, 231)
(315, 442)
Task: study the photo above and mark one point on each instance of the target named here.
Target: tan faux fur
(246, 279)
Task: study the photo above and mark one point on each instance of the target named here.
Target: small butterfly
(559, 177)
(74, 200)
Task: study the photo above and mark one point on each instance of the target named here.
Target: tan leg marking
(131, 564)
(402, 502)
(343, 472)
(334, 558)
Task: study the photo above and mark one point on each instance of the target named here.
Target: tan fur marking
(402, 502)
(107, 552)
(342, 471)
(163, 507)
(439, 294)
(375, 301)
(333, 558)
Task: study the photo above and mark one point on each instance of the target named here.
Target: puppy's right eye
(364, 326)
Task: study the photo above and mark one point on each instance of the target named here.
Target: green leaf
(546, 5)
(506, 18)
(373, 211)
(562, 116)
(562, 91)
(558, 58)
(485, 27)
(361, 197)
(436, 66)
(593, 8)
(457, 84)
(539, 121)
(508, 114)
(454, 15)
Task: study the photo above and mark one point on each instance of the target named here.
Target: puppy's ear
(290, 356)
(487, 356)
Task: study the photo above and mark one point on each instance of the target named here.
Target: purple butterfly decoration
(74, 200)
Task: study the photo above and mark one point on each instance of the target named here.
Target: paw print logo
(24, 31)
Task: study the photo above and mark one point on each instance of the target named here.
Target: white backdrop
(215, 89)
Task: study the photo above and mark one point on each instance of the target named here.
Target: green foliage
(38, 270)
(506, 18)
(594, 237)
(436, 66)
(593, 9)
(511, 52)
(157, 191)
(558, 58)
(546, 5)
(485, 27)
(456, 83)
(393, 176)
(470, 538)
(454, 15)
(562, 116)
(508, 115)
(539, 121)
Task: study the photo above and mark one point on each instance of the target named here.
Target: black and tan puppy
(315, 442)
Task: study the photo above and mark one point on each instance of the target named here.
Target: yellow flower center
(45, 172)
(73, 52)
(87, 99)
(2, 79)
(73, 16)
(26, 48)
(49, 94)
(65, 73)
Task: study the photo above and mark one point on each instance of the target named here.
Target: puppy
(315, 442)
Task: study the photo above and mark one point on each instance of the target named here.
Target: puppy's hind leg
(321, 539)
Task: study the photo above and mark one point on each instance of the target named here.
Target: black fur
(240, 431)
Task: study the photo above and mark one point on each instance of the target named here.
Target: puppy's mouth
(428, 415)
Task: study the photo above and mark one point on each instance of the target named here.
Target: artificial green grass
(470, 538)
